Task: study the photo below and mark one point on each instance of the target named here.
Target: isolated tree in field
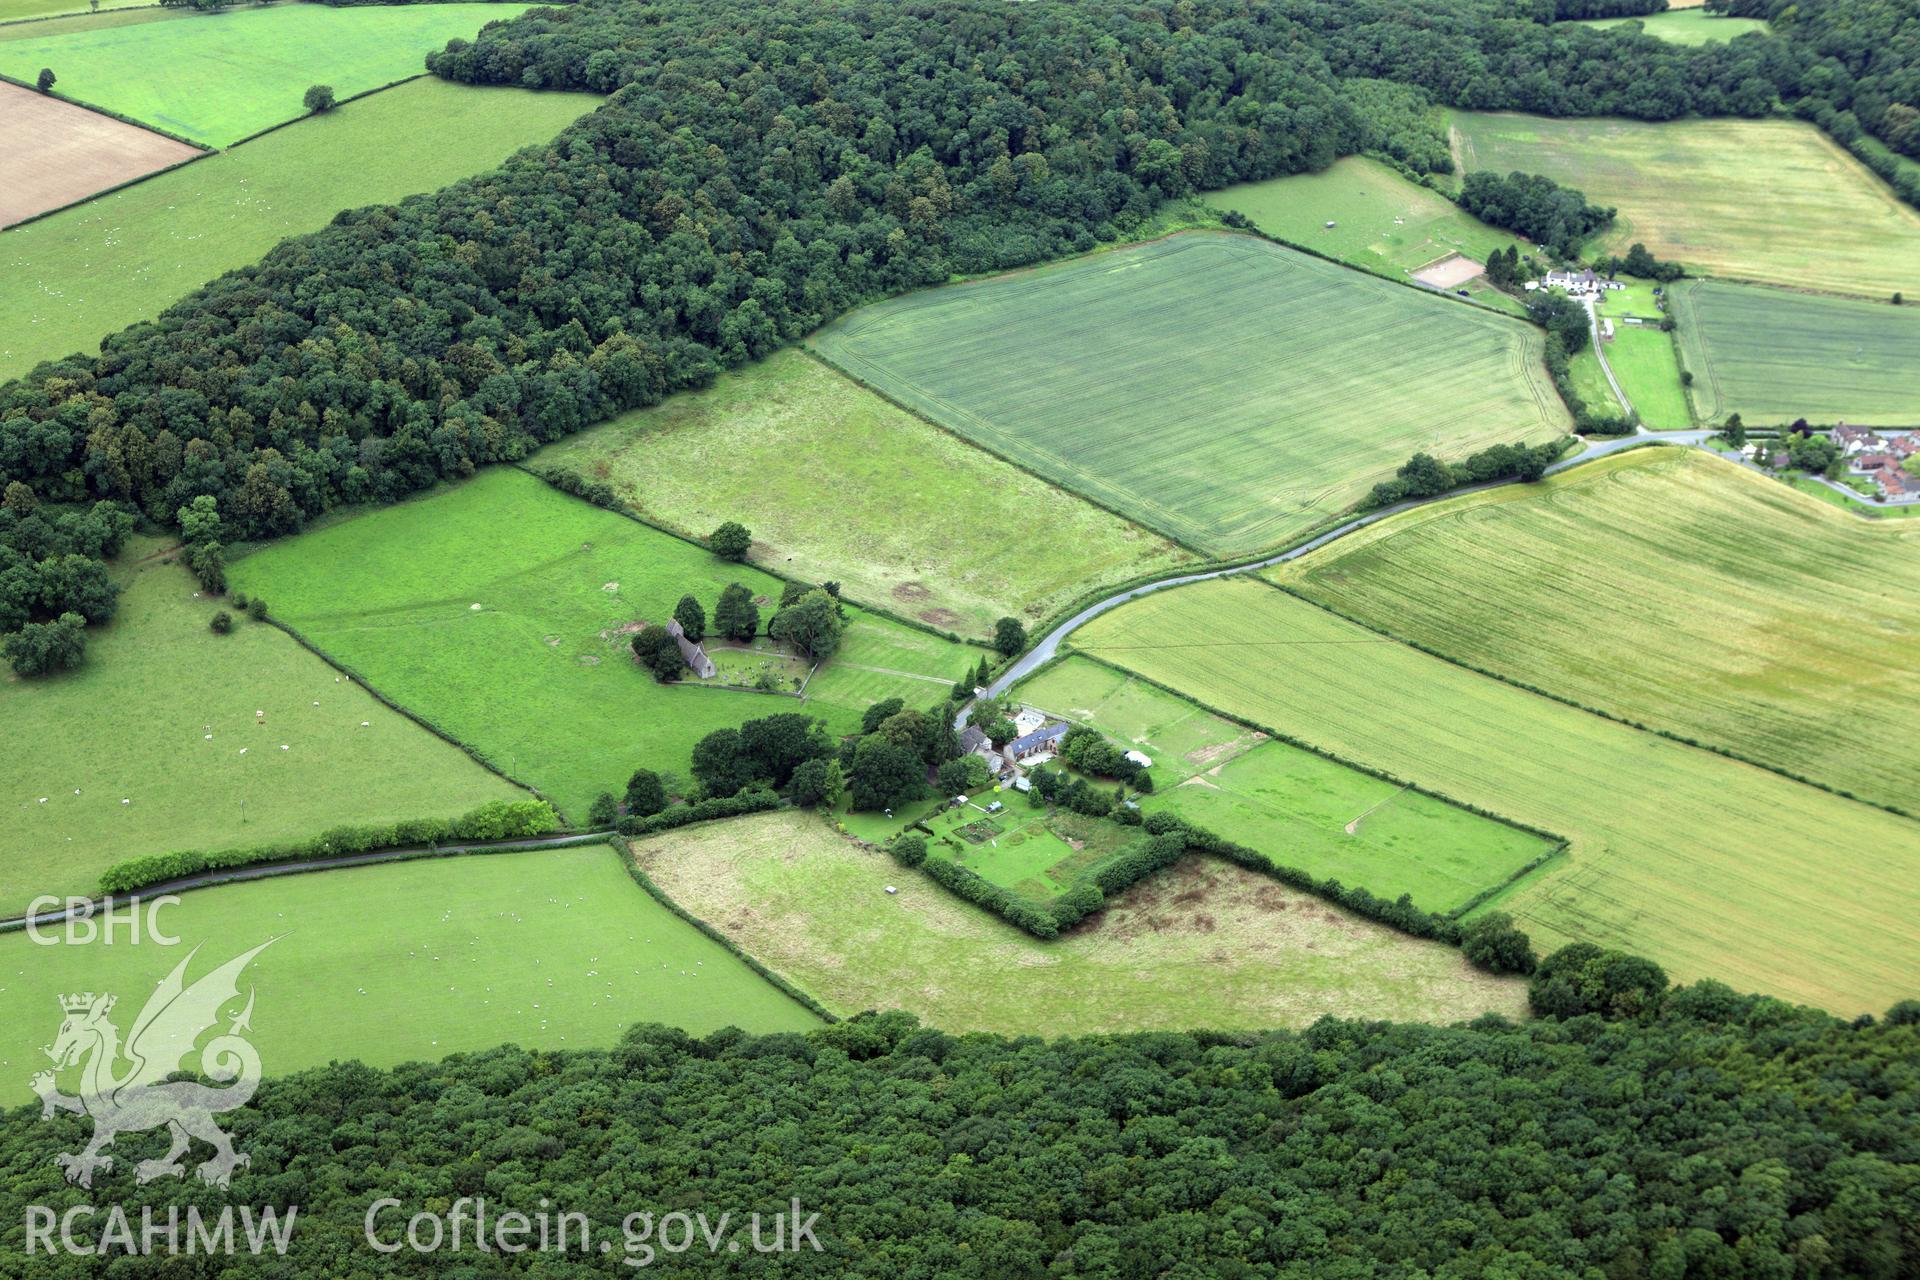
(1494, 943)
(318, 98)
(220, 623)
(46, 79)
(812, 625)
(1009, 637)
(645, 794)
(736, 616)
(692, 618)
(731, 541)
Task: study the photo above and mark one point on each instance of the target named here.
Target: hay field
(218, 78)
(1770, 200)
(53, 153)
(1203, 944)
(69, 280)
(538, 676)
(1773, 356)
(1672, 589)
(1711, 867)
(1218, 388)
(133, 724)
(411, 961)
(915, 519)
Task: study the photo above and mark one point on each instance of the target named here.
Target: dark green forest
(1718, 1136)
(761, 168)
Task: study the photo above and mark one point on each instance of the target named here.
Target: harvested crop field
(918, 520)
(53, 153)
(1203, 944)
(1711, 867)
(1223, 390)
(1773, 356)
(1770, 200)
(1672, 589)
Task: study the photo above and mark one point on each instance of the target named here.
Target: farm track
(1049, 645)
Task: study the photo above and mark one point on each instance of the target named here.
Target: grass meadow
(1687, 26)
(1771, 200)
(1642, 357)
(68, 280)
(1292, 805)
(1382, 222)
(1673, 589)
(1773, 356)
(221, 77)
(493, 610)
(1203, 944)
(1711, 867)
(410, 961)
(1223, 390)
(158, 717)
(837, 483)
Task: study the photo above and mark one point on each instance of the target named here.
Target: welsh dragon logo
(140, 1097)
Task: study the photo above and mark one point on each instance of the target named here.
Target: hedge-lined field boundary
(495, 820)
(786, 988)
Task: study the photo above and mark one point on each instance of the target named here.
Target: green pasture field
(1687, 26)
(1289, 804)
(538, 677)
(1590, 382)
(1382, 222)
(1180, 738)
(1295, 807)
(1642, 357)
(1635, 299)
(1202, 944)
(411, 961)
(1771, 200)
(837, 483)
(29, 19)
(132, 724)
(1711, 867)
(1223, 390)
(1672, 589)
(1773, 356)
(222, 77)
(68, 280)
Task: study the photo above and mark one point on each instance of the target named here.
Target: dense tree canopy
(1724, 1136)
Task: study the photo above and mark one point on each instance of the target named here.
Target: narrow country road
(291, 867)
(1049, 645)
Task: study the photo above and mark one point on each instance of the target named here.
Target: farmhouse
(695, 656)
(1576, 282)
(1039, 741)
